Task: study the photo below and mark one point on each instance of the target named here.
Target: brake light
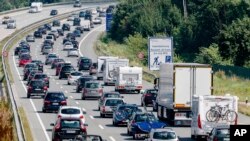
(45, 88)
(100, 91)
(57, 127)
(215, 139)
(120, 87)
(85, 90)
(59, 116)
(29, 87)
(81, 116)
(46, 102)
(199, 121)
(64, 102)
(139, 87)
(83, 128)
(147, 94)
(103, 108)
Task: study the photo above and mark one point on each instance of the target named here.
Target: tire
(83, 98)
(28, 95)
(68, 83)
(101, 115)
(98, 108)
(44, 111)
(77, 90)
(212, 115)
(128, 132)
(231, 116)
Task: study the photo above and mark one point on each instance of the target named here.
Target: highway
(40, 122)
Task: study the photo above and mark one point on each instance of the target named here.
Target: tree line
(210, 31)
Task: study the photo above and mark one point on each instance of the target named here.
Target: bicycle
(218, 112)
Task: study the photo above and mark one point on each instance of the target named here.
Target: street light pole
(185, 8)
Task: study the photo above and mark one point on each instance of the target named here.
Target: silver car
(11, 24)
(167, 134)
(110, 105)
(92, 89)
(47, 49)
(73, 52)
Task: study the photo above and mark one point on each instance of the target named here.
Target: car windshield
(92, 85)
(30, 65)
(36, 61)
(25, 57)
(112, 95)
(52, 56)
(48, 47)
(55, 96)
(70, 123)
(36, 83)
(83, 80)
(40, 76)
(145, 117)
(152, 91)
(69, 111)
(11, 21)
(128, 109)
(113, 102)
(164, 135)
(76, 74)
(49, 37)
(67, 68)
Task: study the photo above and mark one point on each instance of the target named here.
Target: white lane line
(77, 102)
(91, 117)
(53, 79)
(84, 109)
(32, 103)
(71, 97)
(57, 83)
(66, 91)
(86, 37)
(111, 138)
(61, 87)
(101, 126)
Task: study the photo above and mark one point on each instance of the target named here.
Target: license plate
(38, 89)
(70, 131)
(226, 139)
(55, 103)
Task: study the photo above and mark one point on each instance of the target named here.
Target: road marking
(77, 102)
(84, 109)
(111, 138)
(32, 103)
(66, 91)
(57, 83)
(91, 117)
(71, 97)
(101, 126)
(61, 87)
(87, 36)
(53, 79)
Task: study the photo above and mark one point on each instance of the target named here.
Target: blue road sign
(109, 17)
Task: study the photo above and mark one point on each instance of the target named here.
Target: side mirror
(52, 124)
(122, 96)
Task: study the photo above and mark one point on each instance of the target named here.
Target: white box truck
(36, 7)
(100, 65)
(177, 83)
(110, 66)
(128, 79)
(212, 111)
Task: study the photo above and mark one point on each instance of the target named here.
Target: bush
(6, 128)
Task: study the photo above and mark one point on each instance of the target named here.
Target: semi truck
(211, 111)
(100, 65)
(110, 66)
(177, 83)
(36, 7)
(128, 79)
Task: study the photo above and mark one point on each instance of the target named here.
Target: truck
(36, 7)
(177, 83)
(210, 111)
(110, 66)
(128, 79)
(100, 65)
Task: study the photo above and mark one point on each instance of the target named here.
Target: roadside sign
(109, 17)
(160, 50)
(140, 55)
(5, 53)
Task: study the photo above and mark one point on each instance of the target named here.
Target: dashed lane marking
(71, 97)
(91, 117)
(77, 102)
(111, 138)
(101, 126)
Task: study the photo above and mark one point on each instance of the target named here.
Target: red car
(24, 59)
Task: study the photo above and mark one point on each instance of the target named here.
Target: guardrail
(18, 122)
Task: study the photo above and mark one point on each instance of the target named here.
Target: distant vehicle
(219, 134)
(56, 23)
(88, 138)
(94, 11)
(109, 105)
(73, 52)
(97, 21)
(100, 65)
(50, 57)
(93, 69)
(86, 28)
(81, 82)
(31, 75)
(24, 59)
(102, 14)
(82, 14)
(73, 77)
(71, 18)
(166, 134)
(30, 38)
(77, 33)
(92, 89)
(77, 22)
(80, 28)
(55, 62)
(88, 15)
(47, 26)
(36, 7)
(6, 19)
(77, 4)
(42, 76)
(11, 24)
(36, 87)
(68, 46)
(71, 111)
(39, 64)
(55, 33)
(84, 63)
(75, 44)
(148, 96)
(50, 37)
(47, 49)
(65, 70)
(66, 27)
(53, 12)
(107, 95)
(53, 100)
(60, 32)
(28, 68)
(38, 34)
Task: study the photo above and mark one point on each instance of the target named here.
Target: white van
(212, 111)
(36, 7)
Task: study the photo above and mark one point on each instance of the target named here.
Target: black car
(17, 49)
(53, 12)
(42, 29)
(77, 22)
(60, 32)
(55, 61)
(56, 23)
(28, 68)
(77, 33)
(81, 82)
(88, 15)
(71, 36)
(123, 112)
(66, 40)
(82, 14)
(53, 100)
(38, 34)
(148, 96)
(84, 64)
(65, 70)
(80, 28)
(36, 87)
(69, 128)
(31, 75)
(48, 42)
(42, 76)
(66, 27)
(75, 44)
(39, 64)
(47, 26)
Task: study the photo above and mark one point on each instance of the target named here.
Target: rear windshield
(144, 117)
(30, 65)
(85, 61)
(49, 37)
(223, 132)
(152, 91)
(164, 135)
(52, 56)
(70, 111)
(92, 85)
(40, 76)
(112, 95)
(83, 80)
(25, 57)
(113, 102)
(70, 123)
(67, 68)
(36, 83)
(55, 96)
(76, 74)
(47, 47)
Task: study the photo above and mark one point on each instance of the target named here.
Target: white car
(71, 112)
(71, 18)
(167, 134)
(97, 21)
(68, 46)
(55, 33)
(109, 105)
(73, 77)
(11, 23)
(93, 11)
(73, 52)
(50, 37)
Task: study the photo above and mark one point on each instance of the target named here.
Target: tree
(234, 41)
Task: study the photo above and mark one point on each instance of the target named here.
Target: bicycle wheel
(231, 116)
(212, 115)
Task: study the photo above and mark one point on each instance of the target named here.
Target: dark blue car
(53, 101)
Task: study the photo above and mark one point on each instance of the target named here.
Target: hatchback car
(47, 49)
(68, 46)
(84, 63)
(77, 33)
(36, 87)
(73, 52)
(6, 19)
(24, 59)
(81, 82)
(109, 106)
(148, 96)
(23, 51)
(82, 14)
(53, 12)
(31, 75)
(38, 34)
(60, 32)
(73, 76)
(30, 38)
(166, 134)
(65, 71)
(50, 57)
(77, 22)
(53, 100)
(107, 95)
(80, 28)
(92, 89)
(56, 23)
(219, 134)
(28, 68)
(97, 20)
(55, 62)
(39, 64)
(66, 27)
(71, 111)
(42, 76)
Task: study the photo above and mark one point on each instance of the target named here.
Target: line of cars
(10, 22)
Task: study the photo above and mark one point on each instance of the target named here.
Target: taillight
(147, 94)
(81, 116)
(199, 121)
(103, 108)
(139, 87)
(215, 139)
(29, 87)
(46, 102)
(100, 91)
(46, 79)
(59, 116)
(83, 128)
(85, 90)
(133, 121)
(57, 127)
(45, 88)
(64, 102)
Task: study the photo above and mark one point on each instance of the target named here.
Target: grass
(244, 109)
(25, 122)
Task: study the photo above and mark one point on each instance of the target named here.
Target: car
(30, 38)
(11, 24)
(166, 134)
(39, 64)
(55, 62)
(71, 112)
(148, 96)
(65, 70)
(42, 76)
(77, 4)
(28, 68)
(84, 63)
(123, 112)
(73, 76)
(50, 57)
(73, 52)
(107, 95)
(50, 37)
(68, 46)
(48, 42)
(70, 18)
(60, 32)
(36, 87)
(102, 14)
(56, 23)
(93, 68)
(86, 27)
(23, 51)
(88, 138)
(88, 15)
(140, 124)
(75, 44)
(109, 105)
(24, 59)
(53, 100)
(77, 22)
(81, 82)
(38, 34)
(68, 128)
(71, 36)
(31, 75)
(220, 133)
(47, 26)
(47, 49)
(66, 27)
(80, 28)
(94, 11)
(77, 33)
(82, 14)
(17, 49)
(92, 89)
(53, 12)
(92, 24)
(42, 29)
(6, 19)
(58, 67)
(97, 20)
(55, 33)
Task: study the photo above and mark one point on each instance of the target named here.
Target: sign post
(160, 50)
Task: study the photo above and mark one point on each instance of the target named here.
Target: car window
(223, 132)
(113, 102)
(55, 96)
(36, 83)
(40, 76)
(70, 111)
(76, 74)
(112, 95)
(152, 91)
(145, 117)
(83, 80)
(85, 60)
(92, 85)
(164, 135)
(67, 68)
(70, 123)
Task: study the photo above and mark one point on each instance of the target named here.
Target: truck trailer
(36, 7)
(177, 84)
(100, 65)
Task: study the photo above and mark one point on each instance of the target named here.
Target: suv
(92, 89)
(81, 82)
(77, 22)
(56, 23)
(43, 77)
(53, 101)
(84, 64)
(66, 27)
(65, 70)
(37, 87)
